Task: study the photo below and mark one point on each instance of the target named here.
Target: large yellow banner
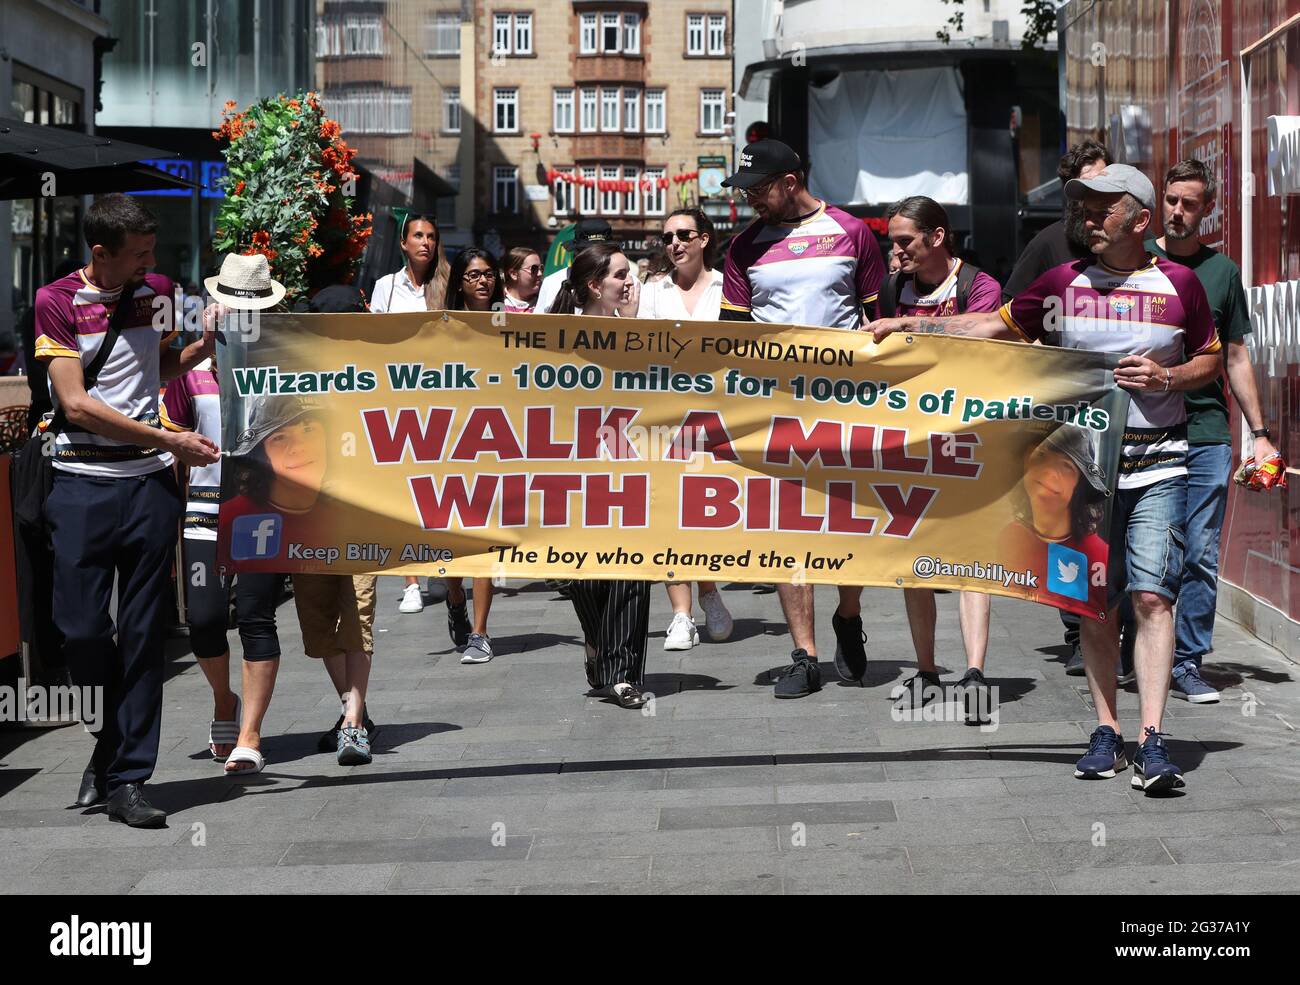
(570, 447)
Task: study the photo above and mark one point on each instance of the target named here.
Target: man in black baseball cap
(762, 161)
(587, 232)
(804, 262)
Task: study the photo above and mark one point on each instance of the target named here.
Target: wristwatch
(1262, 433)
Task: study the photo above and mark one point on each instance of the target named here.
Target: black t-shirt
(1050, 248)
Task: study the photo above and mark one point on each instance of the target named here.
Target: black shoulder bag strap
(965, 278)
(889, 295)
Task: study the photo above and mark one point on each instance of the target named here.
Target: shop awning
(80, 163)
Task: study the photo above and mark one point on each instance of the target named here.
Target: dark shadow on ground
(1228, 674)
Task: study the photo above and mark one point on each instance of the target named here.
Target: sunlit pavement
(505, 777)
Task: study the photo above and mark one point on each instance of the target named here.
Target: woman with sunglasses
(522, 268)
(421, 285)
(691, 291)
(474, 284)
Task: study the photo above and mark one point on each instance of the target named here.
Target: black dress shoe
(127, 804)
(92, 790)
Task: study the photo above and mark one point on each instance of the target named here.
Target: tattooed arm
(976, 324)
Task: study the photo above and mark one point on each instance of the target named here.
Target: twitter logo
(1067, 572)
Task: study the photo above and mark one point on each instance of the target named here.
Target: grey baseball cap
(1115, 178)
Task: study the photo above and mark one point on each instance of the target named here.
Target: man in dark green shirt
(1188, 197)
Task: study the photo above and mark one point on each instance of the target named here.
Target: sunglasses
(758, 191)
(534, 269)
(474, 276)
(683, 236)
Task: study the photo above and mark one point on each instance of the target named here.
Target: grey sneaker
(1188, 683)
(354, 746)
(478, 650)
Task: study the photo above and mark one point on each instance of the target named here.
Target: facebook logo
(255, 536)
(1067, 572)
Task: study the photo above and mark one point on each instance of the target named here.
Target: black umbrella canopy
(82, 164)
(56, 147)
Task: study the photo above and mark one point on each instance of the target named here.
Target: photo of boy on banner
(1060, 519)
(276, 477)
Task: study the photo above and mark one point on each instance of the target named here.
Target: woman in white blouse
(692, 292)
(421, 285)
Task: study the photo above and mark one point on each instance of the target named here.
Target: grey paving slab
(508, 778)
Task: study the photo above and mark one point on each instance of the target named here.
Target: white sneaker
(717, 620)
(682, 634)
(478, 650)
(412, 600)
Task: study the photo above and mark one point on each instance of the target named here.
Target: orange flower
(261, 238)
(330, 129)
(239, 188)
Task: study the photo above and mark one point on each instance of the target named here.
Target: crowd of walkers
(116, 504)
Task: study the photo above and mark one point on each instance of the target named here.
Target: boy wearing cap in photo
(801, 262)
(114, 508)
(588, 231)
(1124, 300)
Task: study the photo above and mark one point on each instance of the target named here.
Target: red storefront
(1219, 80)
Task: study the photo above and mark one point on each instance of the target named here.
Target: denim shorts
(1148, 538)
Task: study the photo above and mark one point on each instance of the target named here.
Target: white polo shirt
(396, 292)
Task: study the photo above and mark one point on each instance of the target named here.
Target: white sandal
(224, 733)
(245, 754)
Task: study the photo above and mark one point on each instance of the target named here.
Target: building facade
(172, 69)
(46, 83)
(1218, 81)
(389, 72)
(611, 108)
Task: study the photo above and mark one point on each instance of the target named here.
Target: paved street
(504, 778)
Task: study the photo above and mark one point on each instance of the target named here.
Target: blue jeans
(1208, 469)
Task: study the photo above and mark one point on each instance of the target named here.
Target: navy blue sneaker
(1152, 770)
(1105, 755)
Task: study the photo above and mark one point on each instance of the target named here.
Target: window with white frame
(501, 34)
(326, 33)
(631, 110)
(654, 196)
(712, 107)
(512, 34)
(451, 110)
(717, 34)
(587, 192)
(505, 189)
(562, 118)
(631, 34)
(610, 196)
(609, 109)
(363, 34)
(505, 110)
(632, 197)
(587, 34)
(694, 34)
(370, 109)
(442, 34)
(587, 111)
(562, 194)
(610, 34)
(523, 34)
(655, 110)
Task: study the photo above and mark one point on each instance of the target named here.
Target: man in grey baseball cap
(1115, 179)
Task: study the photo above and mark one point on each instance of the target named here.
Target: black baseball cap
(592, 231)
(761, 160)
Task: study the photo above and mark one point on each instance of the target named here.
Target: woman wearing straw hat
(191, 402)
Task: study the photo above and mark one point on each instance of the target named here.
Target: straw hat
(245, 283)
